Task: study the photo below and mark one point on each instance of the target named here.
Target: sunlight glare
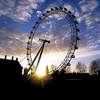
(48, 60)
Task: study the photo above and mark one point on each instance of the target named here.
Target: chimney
(16, 59)
(12, 57)
(5, 57)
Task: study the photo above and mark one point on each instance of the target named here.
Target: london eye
(52, 40)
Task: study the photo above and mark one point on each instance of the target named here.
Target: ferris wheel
(55, 35)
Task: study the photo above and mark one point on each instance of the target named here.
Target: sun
(41, 72)
(47, 60)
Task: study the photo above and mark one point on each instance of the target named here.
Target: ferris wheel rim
(70, 54)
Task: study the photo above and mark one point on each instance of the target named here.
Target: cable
(23, 59)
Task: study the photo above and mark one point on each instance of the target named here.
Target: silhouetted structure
(10, 68)
(12, 80)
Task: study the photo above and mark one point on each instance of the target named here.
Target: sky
(18, 16)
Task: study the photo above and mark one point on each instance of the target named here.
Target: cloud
(90, 17)
(18, 10)
(86, 53)
(38, 13)
(88, 5)
(89, 35)
(89, 38)
(12, 42)
(88, 13)
(60, 36)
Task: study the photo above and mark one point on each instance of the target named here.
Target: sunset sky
(18, 16)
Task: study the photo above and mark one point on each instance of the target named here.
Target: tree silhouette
(47, 70)
(94, 66)
(81, 68)
(53, 67)
(68, 69)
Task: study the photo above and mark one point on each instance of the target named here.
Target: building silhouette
(10, 69)
(12, 80)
